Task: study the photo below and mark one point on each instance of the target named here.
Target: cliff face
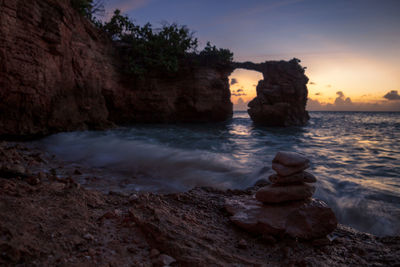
(59, 73)
(282, 95)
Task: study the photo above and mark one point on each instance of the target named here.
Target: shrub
(148, 50)
(89, 8)
(212, 55)
(151, 49)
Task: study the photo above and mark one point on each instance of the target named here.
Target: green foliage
(147, 50)
(151, 49)
(89, 8)
(119, 27)
(212, 55)
(83, 6)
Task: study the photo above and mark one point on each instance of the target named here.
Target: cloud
(392, 95)
(329, 86)
(234, 81)
(343, 103)
(238, 94)
(240, 104)
(341, 100)
(312, 83)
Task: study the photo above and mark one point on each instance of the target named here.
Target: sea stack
(286, 206)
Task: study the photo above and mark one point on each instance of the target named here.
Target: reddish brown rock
(163, 260)
(309, 219)
(290, 159)
(58, 72)
(301, 177)
(283, 170)
(282, 193)
(282, 95)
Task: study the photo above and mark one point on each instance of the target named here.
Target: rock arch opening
(281, 94)
(243, 84)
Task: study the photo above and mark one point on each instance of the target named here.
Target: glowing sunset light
(347, 46)
(244, 86)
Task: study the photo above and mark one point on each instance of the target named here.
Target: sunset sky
(351, 48)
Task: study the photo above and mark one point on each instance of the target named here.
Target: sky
(351, 48)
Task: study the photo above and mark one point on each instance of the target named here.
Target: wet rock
(163, 260)
(282, 193)
(290, 159)
(33, 180)
(261, 182)
(308, 219)
(88, 237)
(42, 175)
(12, 170)
(281, 96)
(57, 186)
(10, 253)
(301, 177)
(154, 253)
(242, 244)
(283, 170)
(133, 198)
(321, 242)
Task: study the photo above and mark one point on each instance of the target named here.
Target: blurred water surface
(355, 156)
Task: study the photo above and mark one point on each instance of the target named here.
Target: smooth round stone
(307, 219)
(301, 177)
(283, 170)
(290, 159)
(283, 193)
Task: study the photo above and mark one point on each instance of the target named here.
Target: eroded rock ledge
(60, 73)
(282, 94)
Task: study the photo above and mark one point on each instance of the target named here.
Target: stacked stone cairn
(286, 206)
(291, 181)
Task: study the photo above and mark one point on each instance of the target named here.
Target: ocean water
(354, 155)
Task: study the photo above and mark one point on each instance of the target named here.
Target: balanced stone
(301, 177)
(290, 159)
(283, 170)
(282, 193)
(308, 219)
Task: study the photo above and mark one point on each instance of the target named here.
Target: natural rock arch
(242, 85)
(282, 94)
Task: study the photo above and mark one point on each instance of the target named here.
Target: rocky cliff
(59, 73)
(282, 94)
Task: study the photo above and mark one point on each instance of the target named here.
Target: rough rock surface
(59, 73)
(290, 159)
(301, 177)
(282, 193)
(309, 219)
(58, 223)
(282, 94)
(283, 170)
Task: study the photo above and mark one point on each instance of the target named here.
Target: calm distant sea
(355, 156)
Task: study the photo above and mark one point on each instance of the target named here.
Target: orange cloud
(343, 103)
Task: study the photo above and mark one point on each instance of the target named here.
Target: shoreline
(46, 220)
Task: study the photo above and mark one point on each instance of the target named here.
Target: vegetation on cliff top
(147, 49)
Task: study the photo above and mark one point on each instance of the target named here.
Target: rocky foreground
(46, 220)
